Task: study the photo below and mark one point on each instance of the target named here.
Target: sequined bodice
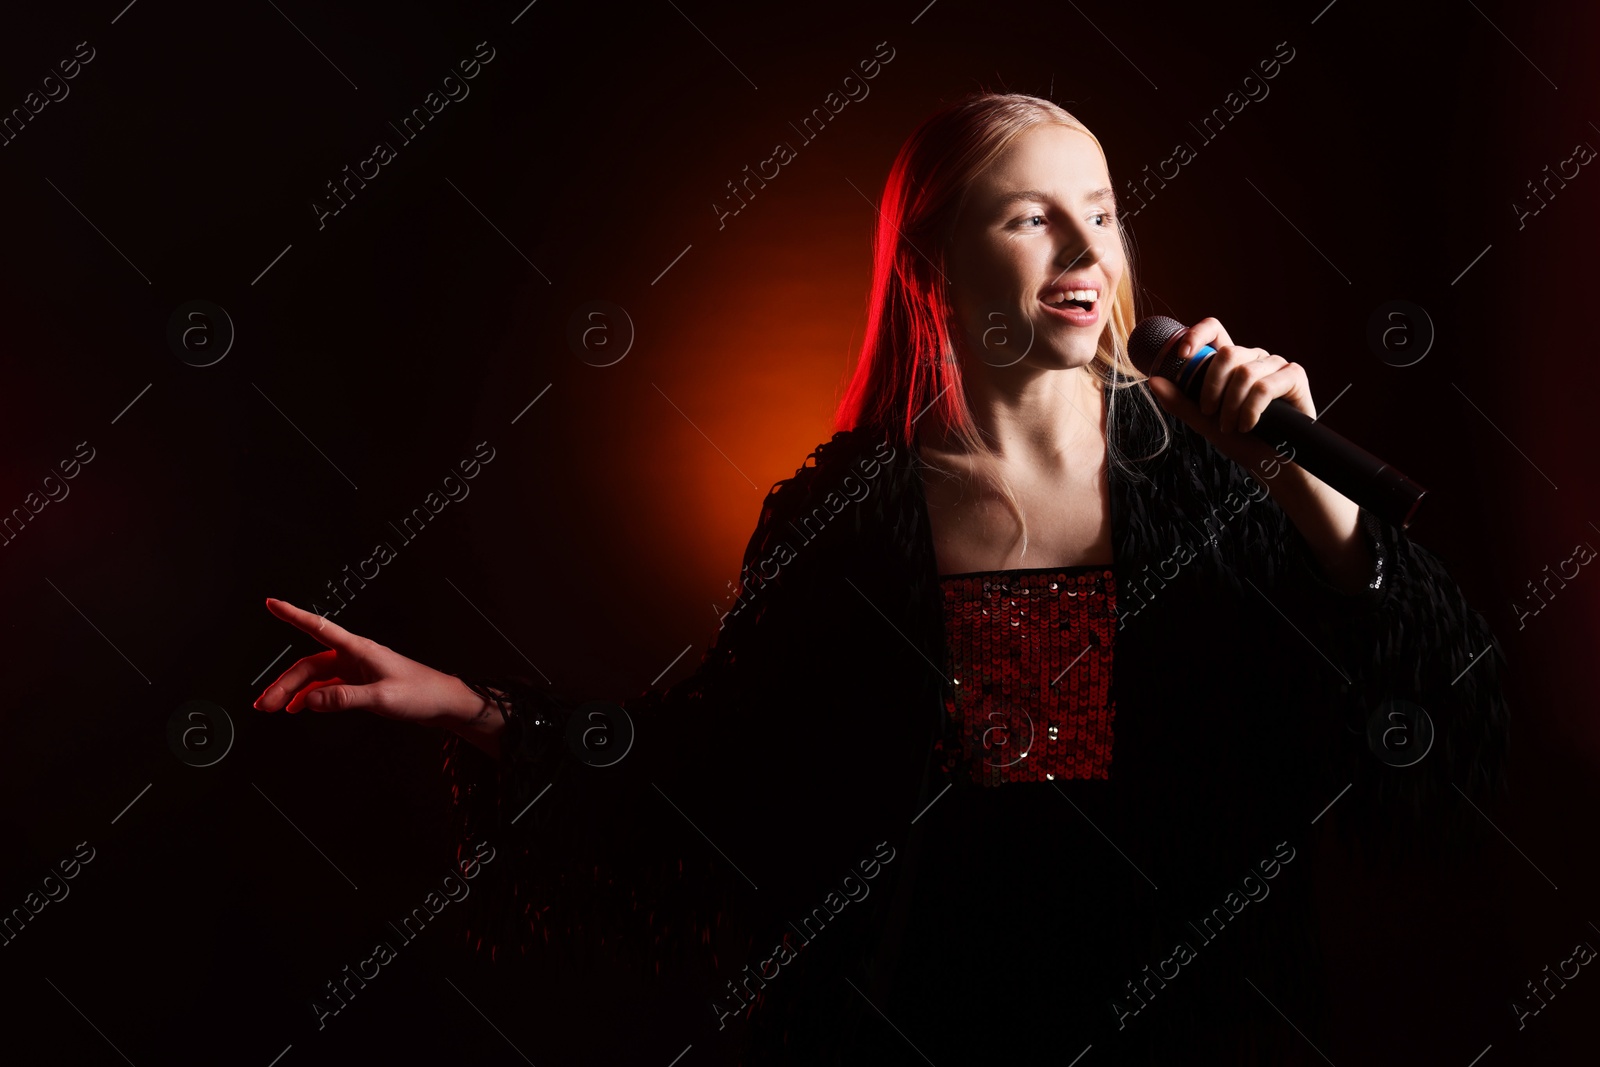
(1030, 666)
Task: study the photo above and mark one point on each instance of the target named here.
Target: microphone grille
(1147, 339)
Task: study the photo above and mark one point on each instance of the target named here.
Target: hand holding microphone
(1228, 388)
(1254, 407)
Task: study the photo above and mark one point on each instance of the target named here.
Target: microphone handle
(1372, 483)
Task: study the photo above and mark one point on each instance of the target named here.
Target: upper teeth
(1061, 296)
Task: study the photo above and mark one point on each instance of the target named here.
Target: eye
(1109, 218)
(1030, 218)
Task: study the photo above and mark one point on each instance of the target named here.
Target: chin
(1078, 352)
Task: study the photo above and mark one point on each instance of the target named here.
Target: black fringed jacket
(812, 745)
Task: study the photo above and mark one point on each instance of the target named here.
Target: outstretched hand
(357, 673)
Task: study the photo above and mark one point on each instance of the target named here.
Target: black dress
(1161, 911)
(1030, 918)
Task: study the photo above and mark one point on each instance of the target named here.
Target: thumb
(1165, 390)
(1172, 398)
(334, 698)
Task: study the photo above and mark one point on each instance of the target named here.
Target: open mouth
(1077, 299)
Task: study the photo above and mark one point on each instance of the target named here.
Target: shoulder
(836, 465)
(853, 447)
(824, 497)
(1149, 439)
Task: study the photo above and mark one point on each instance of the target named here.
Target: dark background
(383, 347)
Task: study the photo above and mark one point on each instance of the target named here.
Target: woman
(906, 809)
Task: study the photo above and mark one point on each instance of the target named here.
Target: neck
(1039, 418)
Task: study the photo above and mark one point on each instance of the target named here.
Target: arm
(1396, 628)
(476, 715)
(596, 853)
(1236, 389)
(1383, 607)
(1329, 522)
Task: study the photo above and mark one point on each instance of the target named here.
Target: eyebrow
(1104, 196)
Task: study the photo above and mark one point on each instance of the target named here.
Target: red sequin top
(1030, 666)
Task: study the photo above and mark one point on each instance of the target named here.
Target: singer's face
(1038, 222)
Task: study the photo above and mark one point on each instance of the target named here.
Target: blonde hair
(908, 365)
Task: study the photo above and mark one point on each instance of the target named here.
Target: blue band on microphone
(1187, 372)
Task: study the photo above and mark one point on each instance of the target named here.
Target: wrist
(472, 716)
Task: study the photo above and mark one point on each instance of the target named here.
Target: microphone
(1355, 472)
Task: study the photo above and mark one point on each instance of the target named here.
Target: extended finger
(337, 695)
(299, 703)
(310, 668)
(325, 630)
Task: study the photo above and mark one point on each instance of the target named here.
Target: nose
(1077, 249)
